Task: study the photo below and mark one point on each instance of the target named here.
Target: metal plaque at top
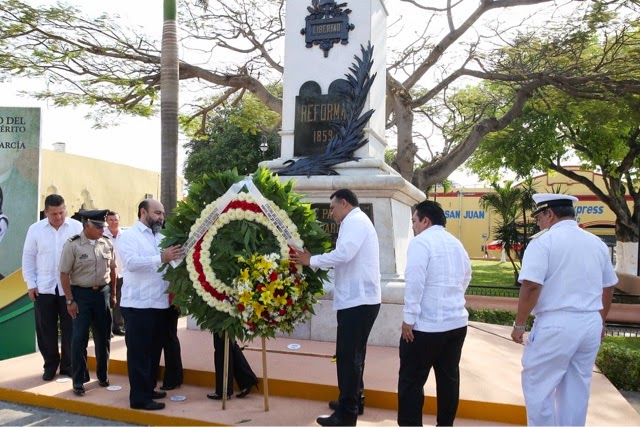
(326, 25)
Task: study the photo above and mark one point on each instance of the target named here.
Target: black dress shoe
(48, 376)
(170, 387)
(335, 405)
(104, 383)
(78, 391)
(119, 332)
(216, 396)
(334, 420)
(158, 394)
(245, 391)
(150, 406)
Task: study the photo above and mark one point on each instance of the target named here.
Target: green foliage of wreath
(237, 238)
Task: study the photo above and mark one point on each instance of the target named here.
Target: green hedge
(496, 317)
(620, 365)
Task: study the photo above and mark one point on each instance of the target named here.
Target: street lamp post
(264, 146)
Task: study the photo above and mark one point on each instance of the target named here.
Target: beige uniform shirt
(87, 265)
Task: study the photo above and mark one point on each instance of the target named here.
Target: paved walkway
(302, 381)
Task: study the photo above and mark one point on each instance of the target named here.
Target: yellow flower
(257, 308)
(281, 301)
(244, 274)
(266, 297)
(245, 298)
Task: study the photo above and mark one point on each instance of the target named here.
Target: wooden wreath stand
(225, 374)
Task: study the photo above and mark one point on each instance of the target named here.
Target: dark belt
(92, 288)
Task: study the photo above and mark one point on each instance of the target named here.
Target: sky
(131, 141)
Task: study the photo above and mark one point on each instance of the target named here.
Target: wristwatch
(519, 328)
(70, 301)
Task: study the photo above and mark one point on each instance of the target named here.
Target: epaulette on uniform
(72, 238)
(539, 233)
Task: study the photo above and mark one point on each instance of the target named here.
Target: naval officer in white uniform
(567, 283)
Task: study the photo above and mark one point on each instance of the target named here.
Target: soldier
(87, 274)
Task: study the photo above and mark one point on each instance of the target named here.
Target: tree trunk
(169, 81)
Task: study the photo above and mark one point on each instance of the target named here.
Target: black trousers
(49, 309)
(173, 375)
(354, 326)
(238, 366)
(94, 313)
(440, 350)
(118, 321)
(144, 336)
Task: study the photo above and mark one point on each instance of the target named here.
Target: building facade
(474, 226)
(87, 183)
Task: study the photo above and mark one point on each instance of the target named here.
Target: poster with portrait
(19, 174)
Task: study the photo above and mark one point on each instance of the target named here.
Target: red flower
(290, 301)
(278, 293)
(240, 308)
(265, 314)
(282, 312)
(260, 288)
(273, 276)
(296, 282)
(305, 308)
(292, 268)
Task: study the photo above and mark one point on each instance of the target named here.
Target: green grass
(492, 273)
(625, 342)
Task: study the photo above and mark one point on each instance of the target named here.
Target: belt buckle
(95, 288)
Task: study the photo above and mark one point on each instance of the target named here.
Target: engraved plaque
(329, 225)
(316, 116)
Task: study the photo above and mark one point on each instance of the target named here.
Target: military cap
(97, 217)
(549, 200)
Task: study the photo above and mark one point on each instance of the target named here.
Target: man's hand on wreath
(303, 258)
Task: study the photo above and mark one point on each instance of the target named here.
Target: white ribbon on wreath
(224, 201)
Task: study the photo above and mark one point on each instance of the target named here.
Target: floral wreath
(238, 277)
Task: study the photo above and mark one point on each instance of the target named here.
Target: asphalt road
(13, 414)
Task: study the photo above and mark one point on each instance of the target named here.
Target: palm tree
(506, 202)
(527, 205)
(169, 65)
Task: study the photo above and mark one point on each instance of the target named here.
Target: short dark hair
(143, 205)
(53, 200)
(347, 195)
(563, 211)
(431, 210)
(112, 213)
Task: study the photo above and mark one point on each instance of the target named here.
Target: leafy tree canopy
(229, 140)
(234, 47)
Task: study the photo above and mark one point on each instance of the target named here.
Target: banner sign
(19, 173)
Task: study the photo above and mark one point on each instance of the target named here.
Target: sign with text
(326, 25)
(316, 116)
(329, 225)
(19, 163)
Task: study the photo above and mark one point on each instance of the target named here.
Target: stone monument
(335, 41)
